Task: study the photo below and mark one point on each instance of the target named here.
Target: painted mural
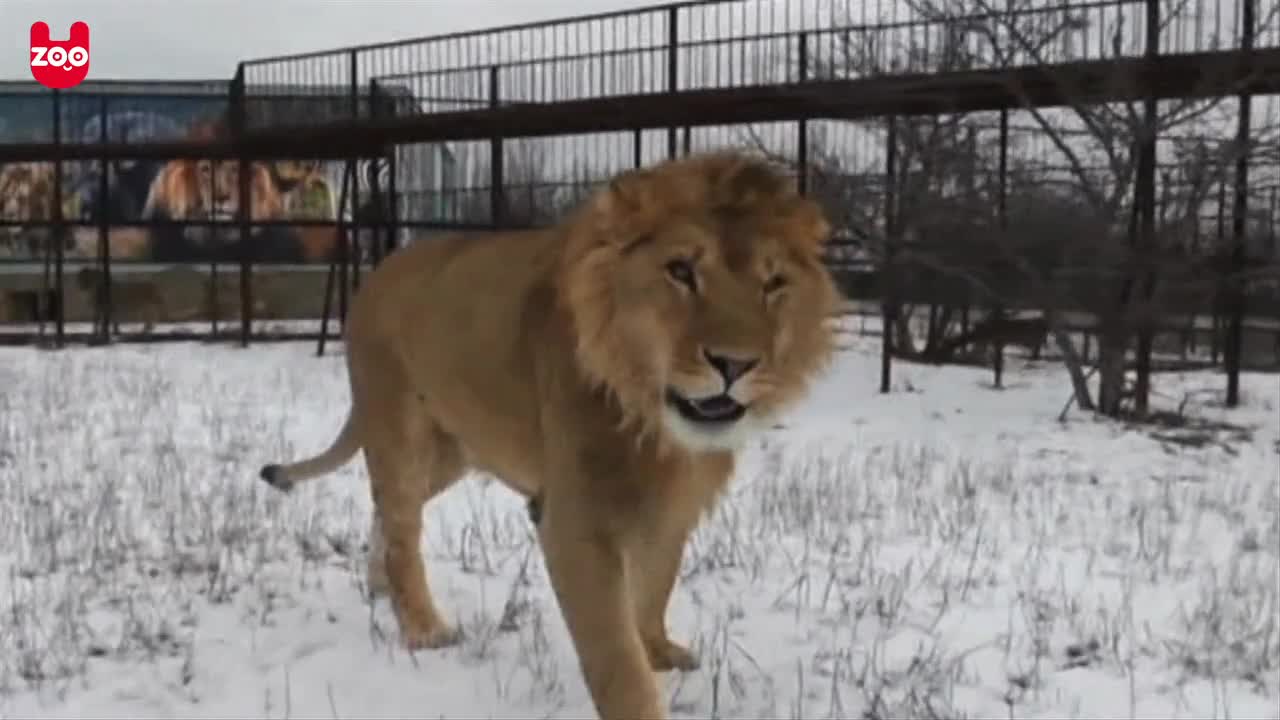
(158, 211)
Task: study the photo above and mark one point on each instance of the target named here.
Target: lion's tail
(344, 447)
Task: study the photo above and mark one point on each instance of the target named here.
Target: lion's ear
(630, 192)
(749, 181)
(627, 201)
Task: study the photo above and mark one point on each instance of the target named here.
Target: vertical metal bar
(345, 234)
(353, 78)
(340, 236)
(59, 231)
(244, 193)
(347, 239)
(367, 225)
(393, 204)
(214, 296)
(888, 306)
(103, 312)
(1145, 191)
(637, 148)
(1239, 216)
(673, 67)
(380, 221)
(1002, 218)
(802, 125)
(327, 305)
(497, 157)
(1222, 266)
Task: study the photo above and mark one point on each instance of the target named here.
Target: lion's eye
(682, 272)
(774, 284)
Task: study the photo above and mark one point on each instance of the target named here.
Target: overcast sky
(203, 39)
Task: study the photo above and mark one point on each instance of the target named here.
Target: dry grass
(904, 579)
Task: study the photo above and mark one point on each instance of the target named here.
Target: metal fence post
(103, 313)
(673, 68)
(888, 303)
(497, 156)
(238, 122)
(1236, 294)
(802, 125)
(58, 233)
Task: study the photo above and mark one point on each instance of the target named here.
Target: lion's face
(218, 184)
(721, 302)
(715, 317)
(25, 192)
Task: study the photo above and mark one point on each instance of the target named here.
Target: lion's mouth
(222, 213)
(714, 409)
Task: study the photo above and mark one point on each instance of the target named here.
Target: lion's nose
(730, 368)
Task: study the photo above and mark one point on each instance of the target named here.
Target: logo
(59, 64)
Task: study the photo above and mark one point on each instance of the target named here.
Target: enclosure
(1106, 168)
(169, 224)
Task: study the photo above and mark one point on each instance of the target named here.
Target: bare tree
(1050, 244)
(532, 194)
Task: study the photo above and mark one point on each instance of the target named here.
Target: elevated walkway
(721, 62)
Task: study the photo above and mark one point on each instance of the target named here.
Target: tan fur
(222, 300)
(125, 243)
(543, 357)
(26, 191)
(130, 297)
(206, 189)
(319, 243)
(26, 194)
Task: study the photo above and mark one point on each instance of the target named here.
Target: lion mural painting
(608, 367)
(26, 194)
(210, 190)
(304, 189)
(195, 190)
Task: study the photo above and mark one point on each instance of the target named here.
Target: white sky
(203, 39)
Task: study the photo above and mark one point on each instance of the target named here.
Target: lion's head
(26, 191)
(216, 189)
(698, 296)
(218, 186)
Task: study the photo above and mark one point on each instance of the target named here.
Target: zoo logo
(59, 64)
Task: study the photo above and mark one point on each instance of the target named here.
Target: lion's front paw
(432, 637)
(666, 655)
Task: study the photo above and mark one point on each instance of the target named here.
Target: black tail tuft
(272, 475)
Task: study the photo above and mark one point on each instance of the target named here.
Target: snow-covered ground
(947, 550)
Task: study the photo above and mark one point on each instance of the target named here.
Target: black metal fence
(973, 153)
(84, 239)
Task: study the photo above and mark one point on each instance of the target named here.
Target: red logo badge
(59, 64)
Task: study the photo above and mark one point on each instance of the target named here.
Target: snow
(946, 550)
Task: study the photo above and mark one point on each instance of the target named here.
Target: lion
(26, 194)
(26, 191)
(132, 296)
(607, 368)
(210, 190)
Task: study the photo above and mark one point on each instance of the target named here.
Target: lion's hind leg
(406, 469)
